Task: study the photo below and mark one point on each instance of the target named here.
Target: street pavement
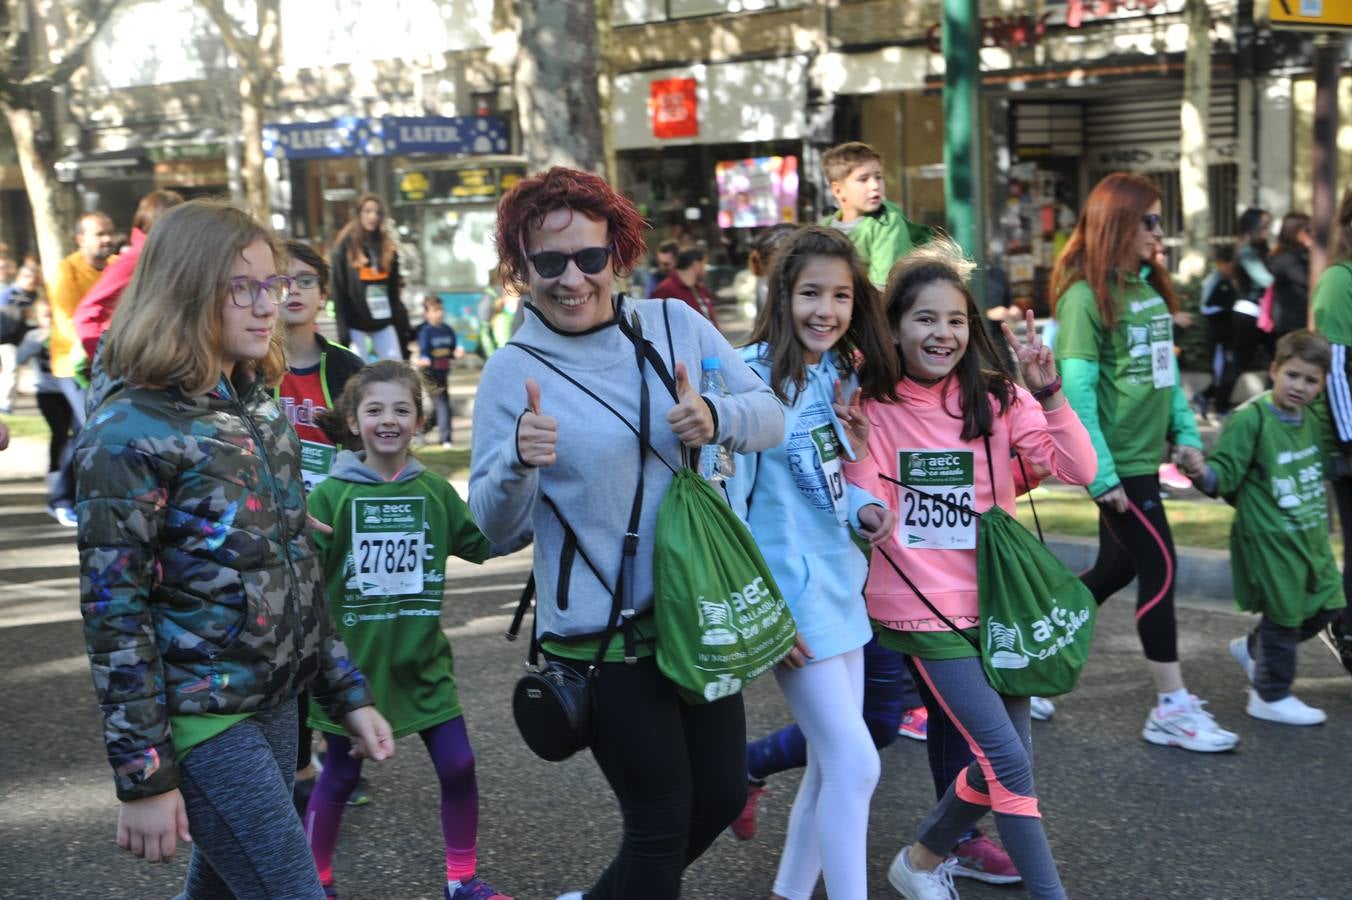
(1125, 819)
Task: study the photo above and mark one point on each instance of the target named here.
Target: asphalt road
(1125, 819)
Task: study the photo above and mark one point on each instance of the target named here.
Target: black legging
(1342, 492)
(678, 770)
(305, 734)
(1245, 339)
(1138, 544)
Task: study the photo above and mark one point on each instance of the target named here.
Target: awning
(80, 166)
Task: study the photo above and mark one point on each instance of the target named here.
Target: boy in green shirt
(1269, 463)
(880, 233)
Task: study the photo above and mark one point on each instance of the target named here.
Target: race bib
(315, 461)
(936, 514)
(828, 452)
(378, 301)
(1162, 351)
(387, 545)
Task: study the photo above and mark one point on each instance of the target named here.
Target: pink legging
(448, 746)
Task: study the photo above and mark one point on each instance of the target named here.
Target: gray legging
(1000, 779)
(247, 840)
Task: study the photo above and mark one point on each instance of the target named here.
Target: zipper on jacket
(293, 590)
(567, 556)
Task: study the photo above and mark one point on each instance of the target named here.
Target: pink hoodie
(926, 419)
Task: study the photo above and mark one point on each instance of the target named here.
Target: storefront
(711, 153)
(324, 166)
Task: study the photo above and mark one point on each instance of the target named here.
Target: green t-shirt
(1137, 370)
(1333, 304)
(386, 568)
(191, 730)
(929, 644)
(1273, 472)
(645, 639)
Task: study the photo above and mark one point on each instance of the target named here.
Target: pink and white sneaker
(982, 859)
(915, 724)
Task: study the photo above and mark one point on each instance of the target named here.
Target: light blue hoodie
(782, 495)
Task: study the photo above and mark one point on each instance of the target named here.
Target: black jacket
(349, 300)
(1290, 289)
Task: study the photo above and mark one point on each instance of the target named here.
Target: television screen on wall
(757, 192)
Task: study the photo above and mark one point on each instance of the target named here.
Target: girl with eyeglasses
(367, 305)
(204, 612)
(1115, 351)
(678, 769)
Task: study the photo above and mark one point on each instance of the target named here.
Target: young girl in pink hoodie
(951, 435)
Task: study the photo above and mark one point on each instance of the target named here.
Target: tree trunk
(605, 87)
(558, 102)
(1192, 166)
(251, 114)
(42, 188)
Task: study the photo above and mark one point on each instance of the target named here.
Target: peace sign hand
(1035, 358)
(851, 415)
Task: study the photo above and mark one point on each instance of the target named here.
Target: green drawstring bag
(721, 619)
(1037, 617)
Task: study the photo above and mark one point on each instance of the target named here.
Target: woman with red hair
(567, 471)
(1115, 350)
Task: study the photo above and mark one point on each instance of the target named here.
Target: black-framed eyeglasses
(1153, 222)
(244, 291)
(305, 282)
(552, 263)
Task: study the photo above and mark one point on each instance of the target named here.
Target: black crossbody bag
(552, 703)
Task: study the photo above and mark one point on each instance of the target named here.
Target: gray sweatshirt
(596, 472)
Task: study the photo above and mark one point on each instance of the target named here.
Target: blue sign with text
(389, 135)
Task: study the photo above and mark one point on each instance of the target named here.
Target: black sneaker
(1339, 644)
(359, 795)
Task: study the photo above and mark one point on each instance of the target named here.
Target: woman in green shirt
(1332, 304)
(1115, 350)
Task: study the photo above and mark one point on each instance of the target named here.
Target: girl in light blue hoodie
(821, 316)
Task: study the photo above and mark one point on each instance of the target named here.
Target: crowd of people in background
(230, 484)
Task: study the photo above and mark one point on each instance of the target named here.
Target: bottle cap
(711, 363)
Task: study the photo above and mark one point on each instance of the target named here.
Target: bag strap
(925, 600)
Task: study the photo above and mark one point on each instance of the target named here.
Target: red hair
(523, 209)
(1101, 244)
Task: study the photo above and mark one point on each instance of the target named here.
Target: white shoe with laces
(1041, 709)
(1239, 649)
(1290, 710)
(917, 884)
(1189, 727)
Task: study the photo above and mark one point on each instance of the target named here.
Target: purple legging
(448, 745)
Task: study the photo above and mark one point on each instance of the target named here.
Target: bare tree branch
(70, 56)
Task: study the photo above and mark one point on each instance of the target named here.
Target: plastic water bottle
(715, 460)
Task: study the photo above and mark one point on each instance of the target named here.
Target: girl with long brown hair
(1115, 351)
(367, 305)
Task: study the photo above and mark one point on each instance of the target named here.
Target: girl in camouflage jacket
(203, 604)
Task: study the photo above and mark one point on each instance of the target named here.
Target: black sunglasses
(1153, 222)
(552, 263)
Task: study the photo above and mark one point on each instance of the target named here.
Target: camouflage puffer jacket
(199, 584)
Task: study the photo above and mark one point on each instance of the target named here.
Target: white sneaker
(1239, 649)
(1041, 709)
(1290, 710)
(1188, 727)
(915, 884)
(1207, 719)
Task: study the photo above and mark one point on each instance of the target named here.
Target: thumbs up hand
(690, 418)
(851, 415)
(537, 435)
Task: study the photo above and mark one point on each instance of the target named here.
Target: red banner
(674, 108)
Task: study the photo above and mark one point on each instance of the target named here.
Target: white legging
(385, 341)
(828, 827)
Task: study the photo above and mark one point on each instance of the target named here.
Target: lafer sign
(674, 108)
